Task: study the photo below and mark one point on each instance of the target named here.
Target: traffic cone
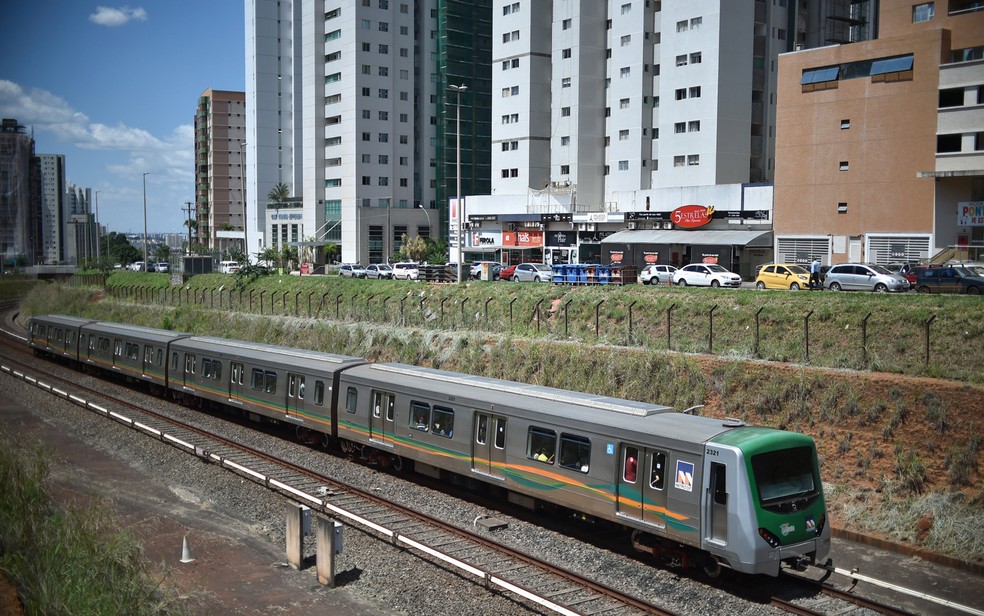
(186, 556)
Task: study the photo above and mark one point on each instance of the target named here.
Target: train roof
(125, 330)
(285, 356)
(61, 319)
(628, 417)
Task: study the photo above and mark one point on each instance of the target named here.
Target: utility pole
(188, 209)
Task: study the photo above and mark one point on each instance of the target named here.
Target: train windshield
(785, 478)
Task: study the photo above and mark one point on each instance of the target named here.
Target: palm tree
(278, 194)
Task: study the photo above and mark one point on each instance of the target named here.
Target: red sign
(616, 257)
(305, 269)
(522, 238)
(692, 216)
(651, 257)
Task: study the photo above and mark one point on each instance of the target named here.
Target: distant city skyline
(114, 89)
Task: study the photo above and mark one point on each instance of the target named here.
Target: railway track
(480, 558)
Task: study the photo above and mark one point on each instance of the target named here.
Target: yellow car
(783, 276)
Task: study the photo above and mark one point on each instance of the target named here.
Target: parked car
(706, 275)
(955, 279)
(506, 272)
(476, 268)
(863, 277)
(163, 267)
(229, 267)
(535, 272)
(379, 271)
(406, 270)
(912, 273)
(656, 274)
(783, 276)
(351, 270)
(138, 266)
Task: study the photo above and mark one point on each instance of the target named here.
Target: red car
(911, 273)
(506, 273)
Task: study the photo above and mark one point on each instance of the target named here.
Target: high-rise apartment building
(348, 107)
(220, 135)
(20, 197)
(79, 230)
(880, 144)
(54, 210)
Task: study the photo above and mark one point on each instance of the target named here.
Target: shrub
(910, 470)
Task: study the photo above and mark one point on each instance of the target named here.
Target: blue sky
(114, 88)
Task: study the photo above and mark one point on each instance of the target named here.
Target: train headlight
(771, 539)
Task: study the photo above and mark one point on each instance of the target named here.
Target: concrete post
(327, 536)
(295, 535)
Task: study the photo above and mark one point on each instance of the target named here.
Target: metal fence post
(806, 333)
(710, 330)
(309, 303)
(565, 317)
(463, 302)
(385, 299)
(368, 309)
(630, 319)
(536, 312)
(338, 303)
(864, 340)
(757, 313)
(487, 310)
(928, 323)
(597, 324)
(511, 302)
(443, 299)
(669, 315)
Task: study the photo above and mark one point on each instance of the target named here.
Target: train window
(541, 444)
(419, 415)
(481, 430)
(257, 381)
(443, 422)
(270, 382)
(237, 373)
(190, 363)
(319, 392)
(207, 368)
(59, 334)
(132, 351)
(630, 464)
(295, 386)
(500, 432)
(104, 346)
(160, 357)
(575, 452)
(300, 389)
(657, 471)
(118, 348)
(71, 339)
(174, 362)
(351, 400)
(148, 354)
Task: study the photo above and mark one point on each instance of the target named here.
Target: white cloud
(113, 17)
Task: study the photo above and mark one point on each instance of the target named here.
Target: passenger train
(695, 491)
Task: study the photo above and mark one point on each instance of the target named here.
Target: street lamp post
(242, 161)
(145, 219)
(457, 148)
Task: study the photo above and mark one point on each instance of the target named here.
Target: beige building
(880, 144)
(220, 131)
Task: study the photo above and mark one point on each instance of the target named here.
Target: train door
(382, 417)
(236, 378)
(489, 445)
(642, 484)
(147, 362)
(717, 492)
(295, 393)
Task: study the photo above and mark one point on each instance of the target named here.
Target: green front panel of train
(784, 477)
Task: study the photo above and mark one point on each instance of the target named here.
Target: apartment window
(623, 165)
(565, 53)
(510, 36)
(404, 74)
(623, 103)
(404, 96)
(383, 26)
(404, 8)
(404, 161)
(694, 92)
(679, 161)
(366, 180)
(333, 77)
(334, 34)
(333, 162)
(331, 57)
(566, 24)
(366, 159)
(565, 140)
(693, 159)
(404, 52)
(845, 124)
(781, 34)
(626, 8)
(625, 40)
(334, 98)
(681, 93)
(384, 4)
(680, 127)
(404, 139)
(696, 23)
(510, 8)
(333, 120)
(844, 165)
(367, 69)
(695, 57)
(384, 137)
(384, 181)
(366, 136)
(565, 169)
(383, 93)
(623, 135)
(366, 24)
(923, 12)
(681, 60)
(681, 26)
(384, 116)
(384, 71)
(565, 112)
(333, 182)
(333, 141)
(366, 47)
(565, 82)
(332, 14)
(693, 126)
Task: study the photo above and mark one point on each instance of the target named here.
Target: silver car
(656, 274)
(536, 272)
(379, 271)
(863, 277)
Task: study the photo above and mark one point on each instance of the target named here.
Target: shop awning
(709, 237)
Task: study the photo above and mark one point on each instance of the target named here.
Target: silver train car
(694, 491)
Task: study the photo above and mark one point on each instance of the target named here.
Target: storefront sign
(615, 257)
(692, 216)
(561, 238)
(970, 214)
(522, 239)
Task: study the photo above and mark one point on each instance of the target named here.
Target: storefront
(738, 251)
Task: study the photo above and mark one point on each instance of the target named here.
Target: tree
(278, 194)
(162, 253)
(413, 249)
(120, 250)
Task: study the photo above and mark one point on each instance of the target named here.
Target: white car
(379, 271)
(536, 272)
(706, 275)
(657, 274)
(476, 268)
(406, 271)
(163, 267)
(351, 270)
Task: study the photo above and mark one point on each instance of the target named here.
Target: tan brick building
(880, 144)
(220, 130)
